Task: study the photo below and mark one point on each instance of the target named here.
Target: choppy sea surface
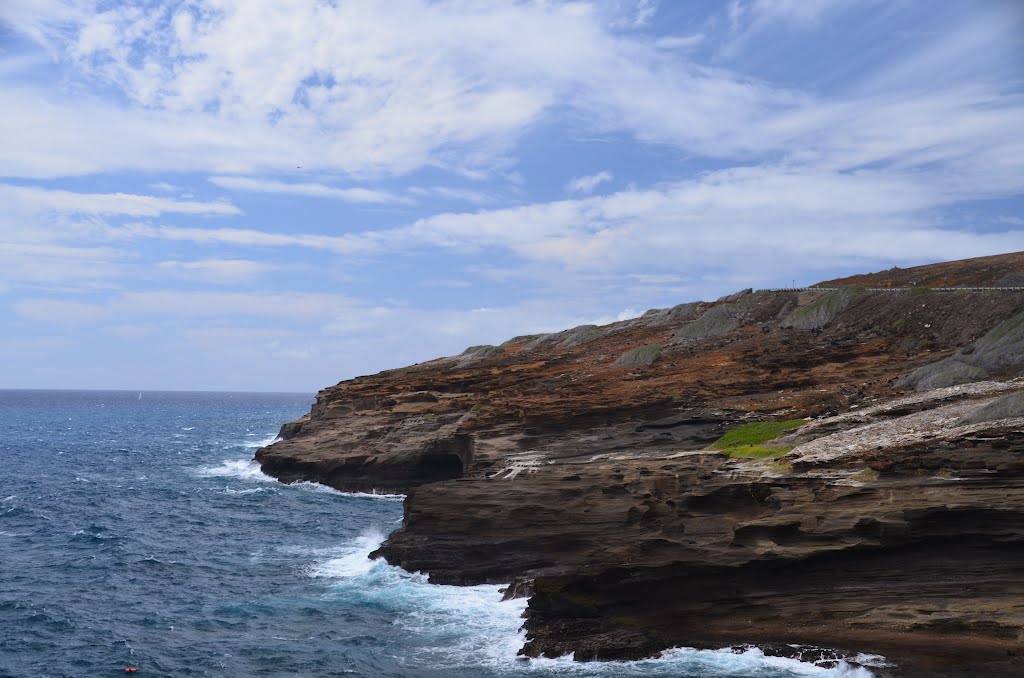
(135, 531)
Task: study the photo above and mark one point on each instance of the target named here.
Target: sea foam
(461, 627)
(242, 469)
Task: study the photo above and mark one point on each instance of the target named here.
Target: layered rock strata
(579, 466)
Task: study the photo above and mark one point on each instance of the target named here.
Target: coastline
(592, 482)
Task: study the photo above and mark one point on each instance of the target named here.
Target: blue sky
(232, 194)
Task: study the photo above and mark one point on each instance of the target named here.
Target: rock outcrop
(579, 466)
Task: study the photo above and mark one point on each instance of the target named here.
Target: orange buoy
(130, 669)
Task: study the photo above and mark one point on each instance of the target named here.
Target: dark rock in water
(887, 523)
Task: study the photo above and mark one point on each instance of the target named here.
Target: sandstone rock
(895, 525)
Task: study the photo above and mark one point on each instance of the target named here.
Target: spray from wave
(462, 627)
(239, 469)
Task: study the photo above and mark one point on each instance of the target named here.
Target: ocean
(136, 532)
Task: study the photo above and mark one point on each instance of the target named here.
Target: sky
(275, 196)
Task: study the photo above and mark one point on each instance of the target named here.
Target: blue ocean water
(135, 531)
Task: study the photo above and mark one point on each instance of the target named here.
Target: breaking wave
(459, 628)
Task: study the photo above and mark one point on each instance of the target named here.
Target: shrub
(756, 433)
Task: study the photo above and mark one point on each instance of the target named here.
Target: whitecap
(355, 559)
(252, 490)
(8, 498)
(243, 469)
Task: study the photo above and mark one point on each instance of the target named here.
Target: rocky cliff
(840, 469)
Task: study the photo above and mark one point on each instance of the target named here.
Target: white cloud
(369, 88)
(55, 265)
(797, 218)
(361, 87)
(230, 304)
(53, 200)
(450, 193)
(130, 331)
(450, 284)
(776, 217)
(313, 190)
(682, 42)
(588, 183)
(58, 311)
(218, 270)
(130, 306)
(798, 13)
(242, 237)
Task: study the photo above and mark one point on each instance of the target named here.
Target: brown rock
(895, 524)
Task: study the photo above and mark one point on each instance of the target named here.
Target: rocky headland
(834, 468)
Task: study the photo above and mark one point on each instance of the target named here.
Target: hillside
(591, 467)
(1003, 270)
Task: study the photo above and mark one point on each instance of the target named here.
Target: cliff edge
(838, 468)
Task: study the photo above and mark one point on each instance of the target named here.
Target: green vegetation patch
(755, 433)
(747, 441)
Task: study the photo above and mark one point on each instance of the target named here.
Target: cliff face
(583, 466)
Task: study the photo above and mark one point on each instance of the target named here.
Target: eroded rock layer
(579, 465)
